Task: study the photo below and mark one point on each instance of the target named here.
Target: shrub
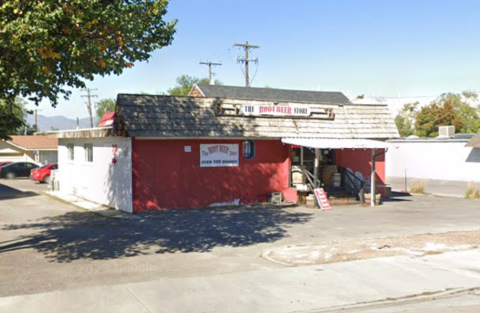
(417, 186)
(473, 191)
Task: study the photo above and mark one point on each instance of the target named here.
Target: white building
(452, 159)
(96, 166)
(37, 149)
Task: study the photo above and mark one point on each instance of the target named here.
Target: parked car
(18, 169)
(4, 163)
(42, 174)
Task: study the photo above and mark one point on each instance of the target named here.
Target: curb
(388, 303)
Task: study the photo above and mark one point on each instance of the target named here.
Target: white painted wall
(46, 157)
(14, 154)
(433, 159)
(99, 181)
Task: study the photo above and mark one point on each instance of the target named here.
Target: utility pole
(246, 46)
(36, 122)
(210, 74)
(89, 97)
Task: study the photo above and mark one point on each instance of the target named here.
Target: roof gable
(268, 94)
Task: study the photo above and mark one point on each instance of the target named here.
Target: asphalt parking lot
(49, 245)
(23, 184)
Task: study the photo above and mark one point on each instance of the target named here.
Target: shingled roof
(190, 117)
(34, 142)
(475, 141)
(268, 94)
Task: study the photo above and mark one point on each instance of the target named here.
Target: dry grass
(417, 186)
(473, 191)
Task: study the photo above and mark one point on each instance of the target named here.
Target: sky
(387, 48)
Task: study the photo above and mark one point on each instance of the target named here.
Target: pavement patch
(414, 246)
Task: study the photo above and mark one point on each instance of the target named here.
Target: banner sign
(276, 110)
(322, 199)
(218, 155)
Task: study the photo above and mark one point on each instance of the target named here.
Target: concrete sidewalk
(449, 188)
(91, 206)
(296, 289)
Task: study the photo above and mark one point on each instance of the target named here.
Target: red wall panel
(165, 176)
(361, 160)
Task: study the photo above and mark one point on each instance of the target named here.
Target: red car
(42, 174)
(4, 163)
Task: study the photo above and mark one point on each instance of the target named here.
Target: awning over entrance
(319, 143)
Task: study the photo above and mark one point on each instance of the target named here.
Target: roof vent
(446, 131)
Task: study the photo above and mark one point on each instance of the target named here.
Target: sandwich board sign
(322, 199)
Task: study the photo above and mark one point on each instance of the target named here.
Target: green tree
(432, 116)
(12, 117)
(26, 129)
(450, 109)
(405, 119)
(469, 115)
(47, 46)
(470, 94)
(185, 84)
(104, 106)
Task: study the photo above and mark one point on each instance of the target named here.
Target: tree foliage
(469, 115)
(104, 106)
(185, 84)
(449, 109)
(49, 45)
(406, 118)
(27, 129)
(12, 117)
(434, 115)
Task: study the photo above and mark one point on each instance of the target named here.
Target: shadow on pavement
(82, 235)
(7, 193)
(397, 196)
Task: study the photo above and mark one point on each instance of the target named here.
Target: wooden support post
(316, 166)
(301, 155)
(372, 181)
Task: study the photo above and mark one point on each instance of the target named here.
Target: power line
(256, 70)
(89, 97)
(210, 74)
(246, 46)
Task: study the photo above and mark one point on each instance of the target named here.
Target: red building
(238, 145)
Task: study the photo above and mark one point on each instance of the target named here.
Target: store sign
(276, 110)
(322, 199)
(218, 155)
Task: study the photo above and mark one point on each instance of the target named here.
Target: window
(88, 152)
(71, 150)
(248, 149)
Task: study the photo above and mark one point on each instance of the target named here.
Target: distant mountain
(48, 123)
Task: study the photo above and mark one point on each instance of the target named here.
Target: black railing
(355, 185)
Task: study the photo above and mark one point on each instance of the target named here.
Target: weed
(473, 191)
(417, 186)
